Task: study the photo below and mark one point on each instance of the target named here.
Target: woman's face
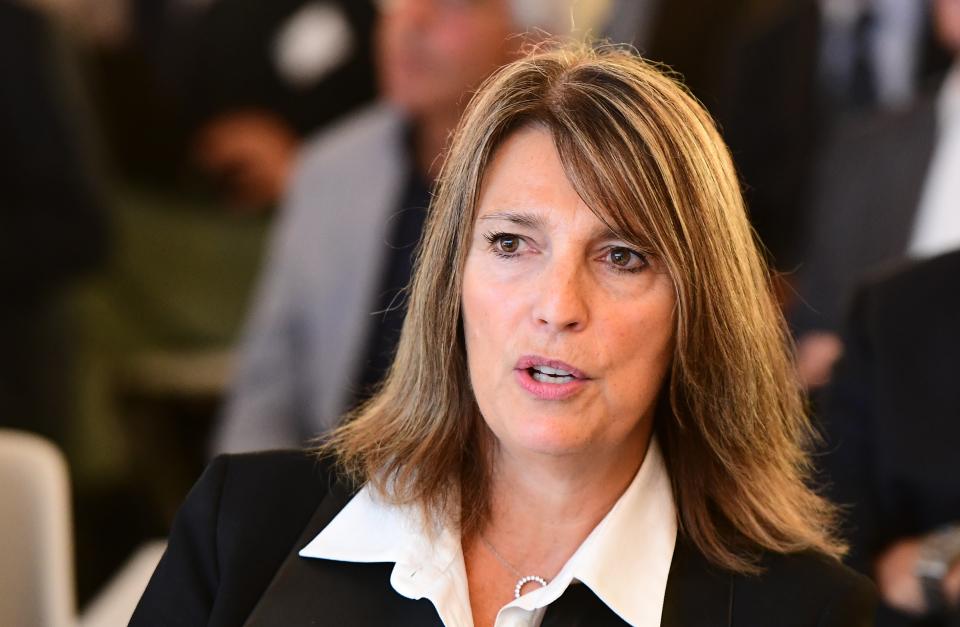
(569, 331)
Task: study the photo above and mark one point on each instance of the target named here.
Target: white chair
(114, 605)
(36, 547)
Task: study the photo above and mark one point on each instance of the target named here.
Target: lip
(529, 361)
(548, 391)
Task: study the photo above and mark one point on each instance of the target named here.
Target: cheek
(644, 347)
(492, 296)
(478, 307)
(492, 310)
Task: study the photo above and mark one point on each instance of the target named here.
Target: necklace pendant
(525, 580)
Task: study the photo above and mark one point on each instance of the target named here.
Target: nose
(562, 300)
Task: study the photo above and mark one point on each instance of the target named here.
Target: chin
(547, 436)
(410, 93)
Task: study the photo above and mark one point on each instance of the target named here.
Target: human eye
(623, 259)
(504, 244)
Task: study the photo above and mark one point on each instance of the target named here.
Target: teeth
(547, 378)
(557, 372)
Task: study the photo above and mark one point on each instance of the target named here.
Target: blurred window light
(314, 41)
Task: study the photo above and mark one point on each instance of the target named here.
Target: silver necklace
(522, 579)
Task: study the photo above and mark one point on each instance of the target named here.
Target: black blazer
(239, 531)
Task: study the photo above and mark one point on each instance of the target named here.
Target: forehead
(526, 182)
(525, 172)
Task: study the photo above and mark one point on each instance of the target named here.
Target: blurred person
(776, 74)
(874, 53)
(53, 226)
(887, 189)
(330, 305)
(592, 417)
(258, 76)
(216, 96)
(250, 154)
(893, 424)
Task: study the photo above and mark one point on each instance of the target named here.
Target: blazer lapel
(305, 591)
(578, 606)
(697, 595)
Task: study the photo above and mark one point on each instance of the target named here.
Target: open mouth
(549, 379)
(546, 374)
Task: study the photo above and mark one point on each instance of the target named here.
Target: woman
(591, 419)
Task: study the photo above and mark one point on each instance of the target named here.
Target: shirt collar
(625, 560)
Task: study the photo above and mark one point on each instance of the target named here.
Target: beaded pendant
(524, 581)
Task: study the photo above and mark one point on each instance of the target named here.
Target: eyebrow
(529, 220)
(536, 221)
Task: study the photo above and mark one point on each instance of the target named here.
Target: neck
(543, 509)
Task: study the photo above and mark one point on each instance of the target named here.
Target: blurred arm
(266, 405)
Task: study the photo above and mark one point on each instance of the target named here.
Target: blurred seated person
(592, 417)
(893, 425)
(888, 189)
(327, 315)
(875, 54)
(231, 87)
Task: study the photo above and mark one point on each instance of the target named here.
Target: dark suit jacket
(893, 416)
(868, 191)
(240, 528)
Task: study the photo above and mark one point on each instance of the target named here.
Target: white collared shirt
(625, 560)
(936, 228)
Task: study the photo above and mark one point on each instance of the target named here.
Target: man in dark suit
(869, 187)
(892, 424)
(870, 182)
(879, 182)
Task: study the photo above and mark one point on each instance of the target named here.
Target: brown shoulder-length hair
(648, 160)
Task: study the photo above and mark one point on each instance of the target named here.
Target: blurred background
(167, 188)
